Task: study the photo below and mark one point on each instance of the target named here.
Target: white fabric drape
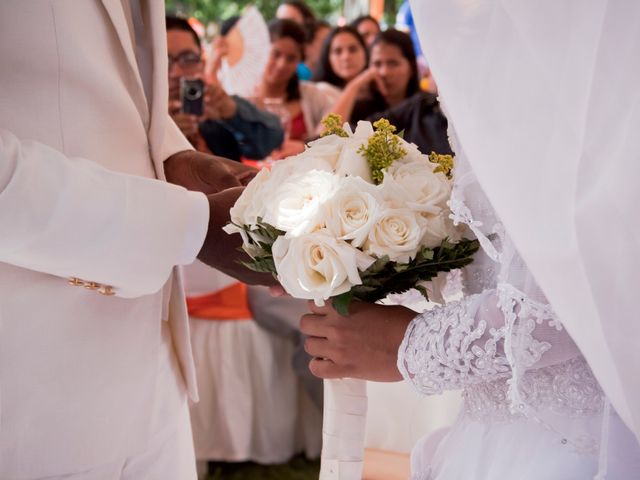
(544, 97)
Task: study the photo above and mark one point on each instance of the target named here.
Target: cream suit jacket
(80, 147)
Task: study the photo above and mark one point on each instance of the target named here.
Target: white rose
(317, 266)
(250, 204)
(413, 152)
(295, 204)
(416, 186)
(301, 163)
(352, 163)
(352, 211)
(327, 148)
(437, 228)
(363, 130)
(397, 233)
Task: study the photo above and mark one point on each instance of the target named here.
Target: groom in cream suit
(95, 360)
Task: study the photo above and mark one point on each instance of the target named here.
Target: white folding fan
(242, 68)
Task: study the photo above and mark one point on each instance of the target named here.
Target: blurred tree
(216, 10)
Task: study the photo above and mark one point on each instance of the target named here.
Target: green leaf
(261, 264)
(341, 303)
(423, 291)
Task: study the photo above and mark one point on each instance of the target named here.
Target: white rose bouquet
(357, 215)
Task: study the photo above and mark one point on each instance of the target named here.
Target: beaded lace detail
(568, 388)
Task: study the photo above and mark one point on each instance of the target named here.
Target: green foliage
(382, 149)
(260, 250)
(341, 302)
(384, 277)
(444, 162)
(332, 124)
(217, 10)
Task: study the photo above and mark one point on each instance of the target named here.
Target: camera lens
(193, 93)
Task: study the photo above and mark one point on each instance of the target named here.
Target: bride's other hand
(363, 344)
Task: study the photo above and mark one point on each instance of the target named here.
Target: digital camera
(192, 95)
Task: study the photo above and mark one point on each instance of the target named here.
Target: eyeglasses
(185, 60)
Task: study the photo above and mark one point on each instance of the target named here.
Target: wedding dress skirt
(558, 439)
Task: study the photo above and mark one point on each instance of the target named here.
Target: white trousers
(170, 456)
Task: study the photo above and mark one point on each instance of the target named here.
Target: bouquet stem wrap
(343, 429)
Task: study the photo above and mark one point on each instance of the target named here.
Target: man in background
(230, 126)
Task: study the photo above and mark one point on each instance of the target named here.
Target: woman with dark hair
(389, 89)
(321, 30)
(344, 56)
(368, 27)
(392, 77)
(299, 12)
(304, 103)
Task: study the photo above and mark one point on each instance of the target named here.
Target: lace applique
(521, 349)
(443, 350)
(461, 214)
(447, 348)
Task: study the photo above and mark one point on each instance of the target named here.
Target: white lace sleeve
(480, 338)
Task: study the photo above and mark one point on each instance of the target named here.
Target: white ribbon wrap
(343, 429)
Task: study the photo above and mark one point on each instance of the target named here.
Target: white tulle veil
(545, 99)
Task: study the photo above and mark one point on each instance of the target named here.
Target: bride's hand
(362, 345)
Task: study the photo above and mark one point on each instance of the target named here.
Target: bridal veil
(544, 97)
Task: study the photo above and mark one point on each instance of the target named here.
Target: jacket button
(92, 285)
(106, 290)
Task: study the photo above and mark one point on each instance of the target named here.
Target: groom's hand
(205, 173)
(221, 250)
(362, 345)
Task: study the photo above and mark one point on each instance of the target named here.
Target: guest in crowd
(389, 88)
(313, 51)
(306, 104)
(230, 126)
(343, 57)
(392, 77)
(368, 27)
(300, 13)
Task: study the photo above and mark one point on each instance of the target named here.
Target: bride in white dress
(544, 99)
(532, 408)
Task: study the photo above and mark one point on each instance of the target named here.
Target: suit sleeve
(69, 217)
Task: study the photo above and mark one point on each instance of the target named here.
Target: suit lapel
(115, 11)
(154, 11)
